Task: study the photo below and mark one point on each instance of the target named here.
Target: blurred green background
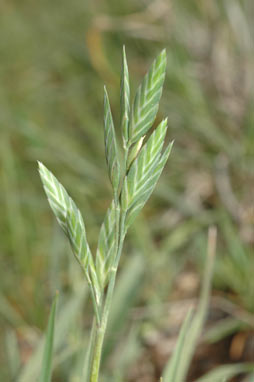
(55, 58)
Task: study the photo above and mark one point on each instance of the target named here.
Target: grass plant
(132, 180)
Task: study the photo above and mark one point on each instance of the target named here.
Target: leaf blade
(196, 324)
(46, 369)
(170, 371)
(225, 372)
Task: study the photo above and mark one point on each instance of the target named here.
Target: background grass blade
(67, 315)
(171, 368)
(224, 373)
(46, 369)
(194, 329)
(146, 102)
(85, 373)
(13, 353)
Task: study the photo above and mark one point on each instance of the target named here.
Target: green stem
(97, 354)
(101, 329)
(95, 306)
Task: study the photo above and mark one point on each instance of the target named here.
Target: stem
(101, 329)
(97, 354)
(95, 306)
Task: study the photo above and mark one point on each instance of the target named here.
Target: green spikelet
(71, 221)
(146, 102)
